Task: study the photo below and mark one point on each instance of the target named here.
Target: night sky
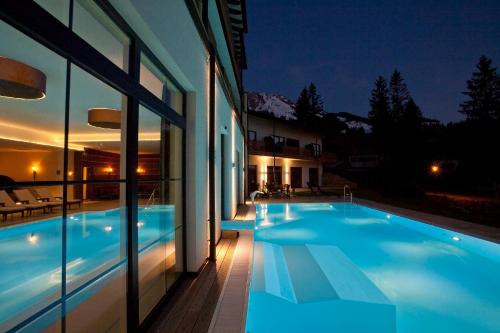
(342, 46)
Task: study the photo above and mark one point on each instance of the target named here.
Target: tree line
(409, 143)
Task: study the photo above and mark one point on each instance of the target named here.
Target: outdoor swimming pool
(348, 268)
(31, 258)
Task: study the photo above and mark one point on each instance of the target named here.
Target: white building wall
(262, 162)
(169, 31)
(264, 127)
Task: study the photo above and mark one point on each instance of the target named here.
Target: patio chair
(7, 202)
(6, 209)
(47, 197)
(31, 203)
(286, 191)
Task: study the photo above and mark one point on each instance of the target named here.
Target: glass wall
(160, 208)
(31, 150)
(64, 213)
(157, 82)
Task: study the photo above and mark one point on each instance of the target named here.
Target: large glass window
(93, 25)
(63, 209)
(160, 208)
(158, 83)
(31, 152)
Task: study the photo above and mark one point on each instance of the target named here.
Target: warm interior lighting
(141, 170)
(21, 81)
(108, 169)
(104, 118)
(34, 168)
(70, 173)
(435, 168)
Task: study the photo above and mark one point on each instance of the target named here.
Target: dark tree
(379, 115)
(317, 109)
(309, 107)
(412, 118)
(483, 90)
(399, 94)
(302, 106)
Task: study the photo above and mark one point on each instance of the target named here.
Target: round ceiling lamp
(18, 80)
(104, 118)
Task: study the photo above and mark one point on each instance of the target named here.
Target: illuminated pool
(31, 255)
(348, 268)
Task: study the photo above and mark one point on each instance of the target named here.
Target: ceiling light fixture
(21, 81)
(104, 118)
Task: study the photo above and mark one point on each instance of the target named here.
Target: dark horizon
(342, 47)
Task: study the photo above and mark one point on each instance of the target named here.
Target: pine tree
(399, 94)
(412, 117)
(379, 114)
(302, 107)
(483, 90)
(316, 102)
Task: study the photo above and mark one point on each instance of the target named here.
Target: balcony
(258, 147)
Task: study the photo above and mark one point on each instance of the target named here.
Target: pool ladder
(151, 199)
(347, 193)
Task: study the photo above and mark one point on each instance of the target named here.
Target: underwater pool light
(456, 238)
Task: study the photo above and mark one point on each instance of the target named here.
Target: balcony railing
(256, 147)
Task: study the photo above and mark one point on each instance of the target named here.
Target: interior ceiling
(46, 116)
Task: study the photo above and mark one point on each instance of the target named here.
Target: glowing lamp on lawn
(435, 169)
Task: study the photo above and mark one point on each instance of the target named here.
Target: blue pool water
(30, 254)
(348, 268)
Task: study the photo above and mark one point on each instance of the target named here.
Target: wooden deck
(192, 306)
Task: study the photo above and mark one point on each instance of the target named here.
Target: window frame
(38, 24)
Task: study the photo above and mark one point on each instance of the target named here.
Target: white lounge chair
(7, 202)
(47, 197)
(6, 209)
(28, 199)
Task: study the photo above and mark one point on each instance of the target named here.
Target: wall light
(34, 169)
(435, 169)
(108, 169)
(141, 170)
(70, 173)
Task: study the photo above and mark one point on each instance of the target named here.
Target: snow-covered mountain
(354, 122)
(282, 107)
(279, 106)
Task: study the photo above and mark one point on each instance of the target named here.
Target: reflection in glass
(93, 25)
(32, 131)
(30, 256)
(160, 208)
(158, 83)
(100, 306)
(96, 151)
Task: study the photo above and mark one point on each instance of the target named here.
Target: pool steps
(318, 278)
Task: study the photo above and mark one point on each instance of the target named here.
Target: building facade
(281, 152)
(121, 149)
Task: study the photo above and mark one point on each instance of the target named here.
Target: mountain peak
(277, 105)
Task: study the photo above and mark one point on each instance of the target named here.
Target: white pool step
(305, 281)
(349, 282)
(310, 273)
